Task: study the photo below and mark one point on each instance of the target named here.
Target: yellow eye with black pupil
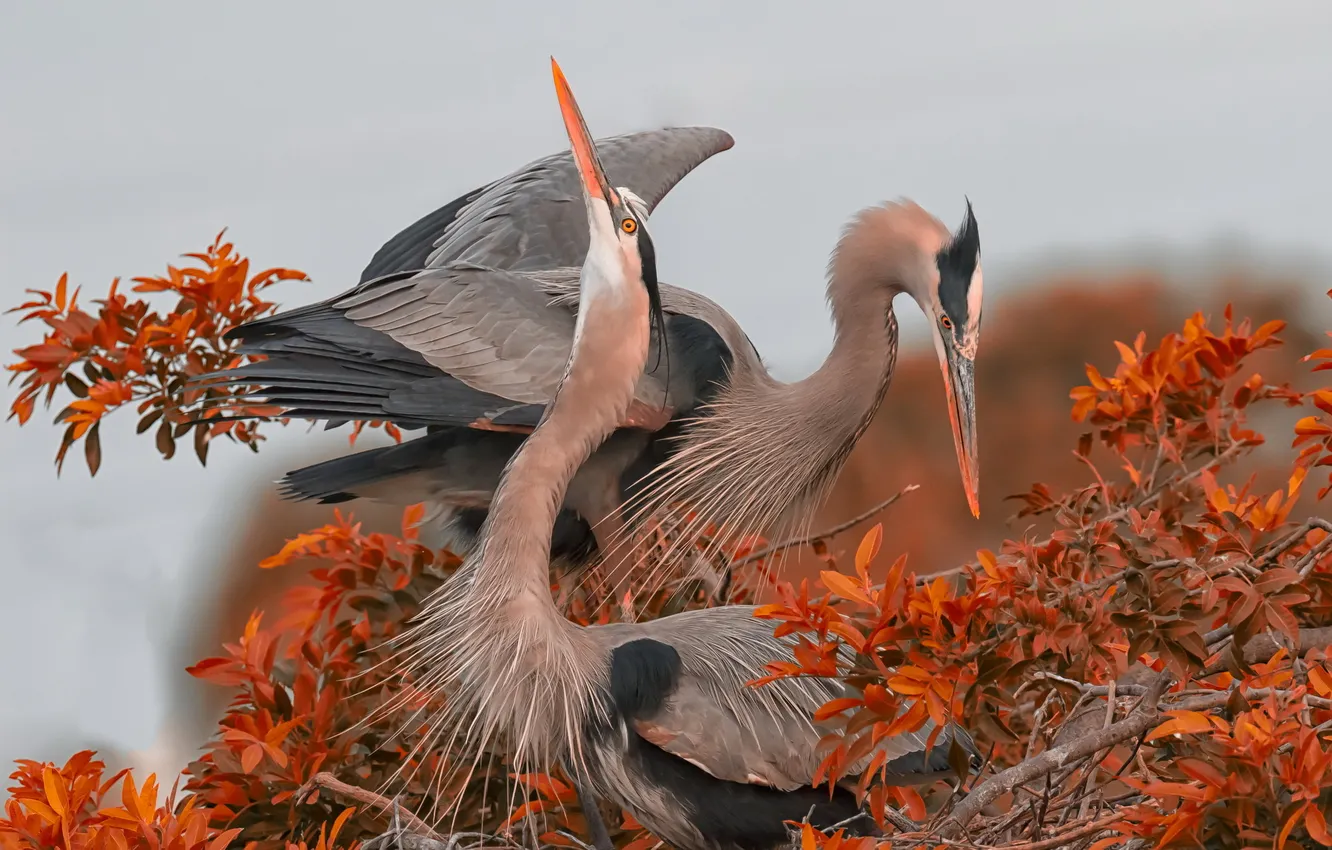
(628, 225)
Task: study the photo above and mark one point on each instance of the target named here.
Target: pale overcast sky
(131, 132)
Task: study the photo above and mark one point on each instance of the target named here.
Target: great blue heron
(473, 346)
(654, 716)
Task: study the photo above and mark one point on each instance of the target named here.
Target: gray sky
(132, 132)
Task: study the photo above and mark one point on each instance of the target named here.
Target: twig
(370, 798)
(1069, 835)
(823, 535)
(1089, 788)
(1295, 537)
(1093, 690)
(1220, 460)
(573, 839)
(1264, 646)
(1142, 718)
(1305, 566)
(1037, 719)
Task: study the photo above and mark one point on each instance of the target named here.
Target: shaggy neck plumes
(492, 637)
(764, 448)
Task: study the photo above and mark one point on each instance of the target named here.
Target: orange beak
(960, 382)
(593, 176)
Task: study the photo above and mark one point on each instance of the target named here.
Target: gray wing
(534, 218)
(495, 330)
(766, 735)
(460, 345)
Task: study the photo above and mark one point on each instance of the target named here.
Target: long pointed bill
(959, 380)
(593, 176)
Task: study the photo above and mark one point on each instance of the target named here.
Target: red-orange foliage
(68, 807)
(302, 684)
(130, 353)
(1315, 432)
(1168, 642)
(1167, 567)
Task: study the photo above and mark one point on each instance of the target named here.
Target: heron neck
(608, 356)
(846, 390)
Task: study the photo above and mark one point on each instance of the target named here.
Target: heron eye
(628, 225)
(946, 322)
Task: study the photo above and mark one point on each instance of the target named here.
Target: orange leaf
(910, 798)
(1290, 824)
(868, 549)
(835, 707)
(129, 795)
(61, 285)
(41, 810)
(1309, 426)
(807, 840)
(337, 824)
(1321, 680)
(1315, 823)
(843, 586)
(224, 839)
(54, 787)
(251, 757)
(1182, 723)
(411, 518)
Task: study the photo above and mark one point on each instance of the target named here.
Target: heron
(472, 346)
(656, 716)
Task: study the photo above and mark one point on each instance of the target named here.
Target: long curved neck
(854, 376)
(610, 348)
(843, 394)
(763, 447)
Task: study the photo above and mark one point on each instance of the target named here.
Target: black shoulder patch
(700, 353)
(643, 674)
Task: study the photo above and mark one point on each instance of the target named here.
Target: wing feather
(764, 735)
(533, 218)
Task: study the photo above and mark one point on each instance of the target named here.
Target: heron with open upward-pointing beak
(656, 717)
(462, 324)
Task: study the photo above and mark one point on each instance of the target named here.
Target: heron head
(617, 218)
(951, 299)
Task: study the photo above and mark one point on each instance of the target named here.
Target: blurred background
(1129, 164)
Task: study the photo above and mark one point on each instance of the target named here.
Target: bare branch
(825, 534)
(1138, 721)
(1070, 835)
(1232, 452)
(370, 798)
(1262, 647)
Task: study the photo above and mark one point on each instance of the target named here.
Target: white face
(619, 234)
(633, 236)
(970, 339)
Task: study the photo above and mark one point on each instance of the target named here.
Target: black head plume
(647, 254)
(957, 264)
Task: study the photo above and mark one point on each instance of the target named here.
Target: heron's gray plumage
(533, 218)
(513, 669)
(761, 735)
(473, 345)
(658, 717)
